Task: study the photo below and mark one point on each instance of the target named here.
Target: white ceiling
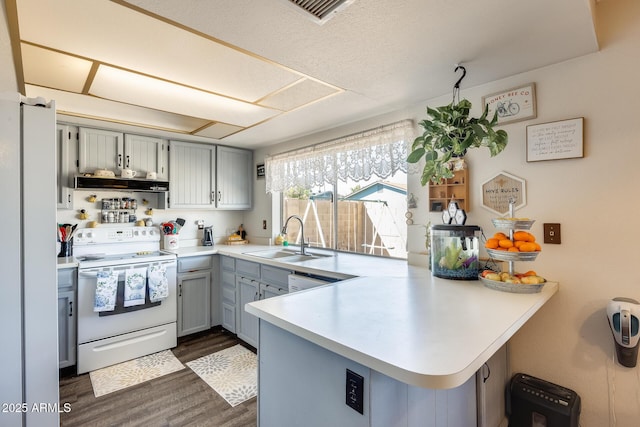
(255, 73)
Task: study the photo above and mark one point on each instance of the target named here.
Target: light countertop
(339, 265)
(423, 331)
(392, 317)
(66, 262)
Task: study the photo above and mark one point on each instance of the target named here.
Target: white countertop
(423, 331)
(66, 262)
(339, 265)
(392, 317)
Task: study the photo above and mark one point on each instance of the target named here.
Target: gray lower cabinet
(67, 287)
(228, 292)
(194, 294)
(249, 291)
(254, 282)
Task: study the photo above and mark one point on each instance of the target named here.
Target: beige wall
(595, 198)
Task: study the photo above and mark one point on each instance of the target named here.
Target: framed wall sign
(555, 140)
(260, 171)
(512, 105)
(501, 189)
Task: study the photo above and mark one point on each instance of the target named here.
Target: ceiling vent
(320, 11)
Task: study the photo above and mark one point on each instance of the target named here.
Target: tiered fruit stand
(512, 224)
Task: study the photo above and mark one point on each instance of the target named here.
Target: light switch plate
(552, 233)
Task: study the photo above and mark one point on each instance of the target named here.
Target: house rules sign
(499, 191)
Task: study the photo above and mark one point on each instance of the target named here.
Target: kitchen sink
(286, 255)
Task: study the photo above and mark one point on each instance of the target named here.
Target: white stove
(124, 328)
(106, 246)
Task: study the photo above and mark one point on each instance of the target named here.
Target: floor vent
(320, 11)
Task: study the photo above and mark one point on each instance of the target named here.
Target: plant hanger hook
(456, 87)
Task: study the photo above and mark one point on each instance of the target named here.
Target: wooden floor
(177, 399)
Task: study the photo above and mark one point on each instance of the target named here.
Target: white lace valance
(381, 152)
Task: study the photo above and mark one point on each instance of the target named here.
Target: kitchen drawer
(228, 263)
(67, 278)
(248, 268)
(229, 295)
(278, 277)
(228, 279)
(195, 263)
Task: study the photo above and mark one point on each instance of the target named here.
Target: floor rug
(132, 372)
(231, 372)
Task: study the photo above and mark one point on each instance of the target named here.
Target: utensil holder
(171, 241)
(66, 249)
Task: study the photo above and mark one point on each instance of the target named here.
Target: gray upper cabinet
(234, 178)
(103, 149)
(206, 176)
(191, 175)
(66, 150)
(146, 154)
(100, 149)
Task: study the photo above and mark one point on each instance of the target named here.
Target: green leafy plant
(450, 132)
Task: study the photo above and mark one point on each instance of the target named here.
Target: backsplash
(222, 221)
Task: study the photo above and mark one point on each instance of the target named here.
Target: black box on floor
(533, 402)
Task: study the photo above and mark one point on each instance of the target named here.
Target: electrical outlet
(355, 391)
(552, 233)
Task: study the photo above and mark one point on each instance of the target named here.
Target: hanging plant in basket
(450, 132)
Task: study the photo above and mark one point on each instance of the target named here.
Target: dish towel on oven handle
(158, 283)
(106, 290)
(135, 286)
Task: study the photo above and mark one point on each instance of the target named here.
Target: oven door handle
(121, 268)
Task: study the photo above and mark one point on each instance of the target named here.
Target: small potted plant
(450, 132)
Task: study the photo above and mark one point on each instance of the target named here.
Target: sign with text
(555, 140)
(502, 189)
(513, 105)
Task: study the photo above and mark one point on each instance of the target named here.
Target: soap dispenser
(623, 314)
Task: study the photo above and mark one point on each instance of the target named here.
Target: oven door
(94, 326)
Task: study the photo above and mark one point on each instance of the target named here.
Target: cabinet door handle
(70, 308)
(127, 161)
(485, 376)
(219, 195)
(213, 197)
(119, 160)
(180, 290)
(69, 198)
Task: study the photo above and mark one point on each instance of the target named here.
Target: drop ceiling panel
(87, 106)
(53, 69)
(119, 85)
(218, 131)
(303, 92)
(139, 42)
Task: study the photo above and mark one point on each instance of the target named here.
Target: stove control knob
(136, 233)
(89, 235)
(144, 232)
(152, 232)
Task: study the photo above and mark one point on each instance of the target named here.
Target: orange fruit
(491, 243)
(522, 236)
(513, 249)
(505, 243)
(530, 273)
(528, 247)
(500, 236)
(538, 247)
(517, 243)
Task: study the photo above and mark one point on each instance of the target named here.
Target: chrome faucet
(284, 231)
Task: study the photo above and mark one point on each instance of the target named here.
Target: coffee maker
(623, 315)
(207, 236)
